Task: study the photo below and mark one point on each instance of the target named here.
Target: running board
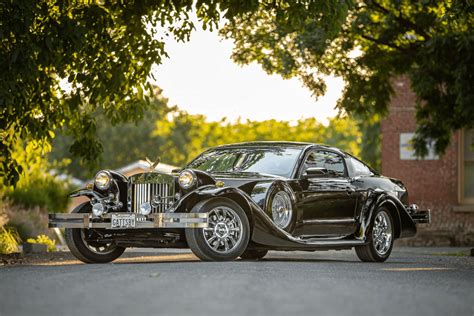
(266, 233)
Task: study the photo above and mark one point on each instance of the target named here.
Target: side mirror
(315, 172)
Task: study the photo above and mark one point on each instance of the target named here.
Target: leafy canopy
(367, 43)
(104, 50)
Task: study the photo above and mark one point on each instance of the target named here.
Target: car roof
(302, 145)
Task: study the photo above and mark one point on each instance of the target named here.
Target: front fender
(186, 202)
(86, 192)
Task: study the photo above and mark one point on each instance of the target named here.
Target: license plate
(123, 221)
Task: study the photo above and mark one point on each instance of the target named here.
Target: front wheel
(381, 238)
(82, 245)
(228, 232)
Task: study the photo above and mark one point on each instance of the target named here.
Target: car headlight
(102, 180)
(186, 179)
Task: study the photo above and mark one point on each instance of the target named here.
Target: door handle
(350, 190)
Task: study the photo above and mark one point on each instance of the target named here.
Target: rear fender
(406, 227)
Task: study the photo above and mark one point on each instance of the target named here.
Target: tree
(121, 143)
(104, 50)
(431, 42)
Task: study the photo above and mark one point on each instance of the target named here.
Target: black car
(241, 200)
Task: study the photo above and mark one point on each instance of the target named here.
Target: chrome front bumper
(158, 220)
(419, 216)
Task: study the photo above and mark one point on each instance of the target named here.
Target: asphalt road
(415, 281)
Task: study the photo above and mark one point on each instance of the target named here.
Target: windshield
(274, 161)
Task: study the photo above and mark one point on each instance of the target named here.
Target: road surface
(414, 281)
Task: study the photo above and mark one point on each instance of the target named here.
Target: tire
(82, 250)
(228, 233)
(253, 254)
(379, 247)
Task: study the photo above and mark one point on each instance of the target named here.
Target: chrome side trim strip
(329, 221)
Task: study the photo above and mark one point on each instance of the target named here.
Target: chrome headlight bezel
(103, 180)
(187, 179)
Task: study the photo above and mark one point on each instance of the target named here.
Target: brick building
(443, 184)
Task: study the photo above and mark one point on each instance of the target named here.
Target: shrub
(44, 192)
(37, 186)
(9, 240)
(27, 222)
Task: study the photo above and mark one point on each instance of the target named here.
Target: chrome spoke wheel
(224, 233)
(382, 233)
(101, 249)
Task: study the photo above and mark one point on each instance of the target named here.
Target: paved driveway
(415, 281)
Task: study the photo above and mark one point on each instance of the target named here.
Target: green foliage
(134, 136)
(47, 193)
(184, 136)
(9, 240)
(367, 43)
(37, 187)
(104, 50)
(44, 240)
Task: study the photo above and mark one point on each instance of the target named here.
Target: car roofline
(289, 144)
(265, 144)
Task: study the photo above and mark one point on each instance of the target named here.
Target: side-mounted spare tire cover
(279, 205)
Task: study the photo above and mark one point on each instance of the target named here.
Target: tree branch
(401, 20)
(380, 42)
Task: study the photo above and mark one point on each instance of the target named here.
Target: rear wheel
(381, 238)
(81, 244)
(253, 254)
(228, 233)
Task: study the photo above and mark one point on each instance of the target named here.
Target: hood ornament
(153, 164)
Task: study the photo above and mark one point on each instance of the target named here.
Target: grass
(451, 254)
(9, 240)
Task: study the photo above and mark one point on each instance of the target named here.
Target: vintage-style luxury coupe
(241, 200)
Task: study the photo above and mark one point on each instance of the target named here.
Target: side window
(326, 159)
(359, 168)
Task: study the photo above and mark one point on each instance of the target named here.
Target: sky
(200, 77)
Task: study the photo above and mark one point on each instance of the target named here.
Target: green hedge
(44, 192)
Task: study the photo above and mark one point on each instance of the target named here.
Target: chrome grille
(145, 192)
